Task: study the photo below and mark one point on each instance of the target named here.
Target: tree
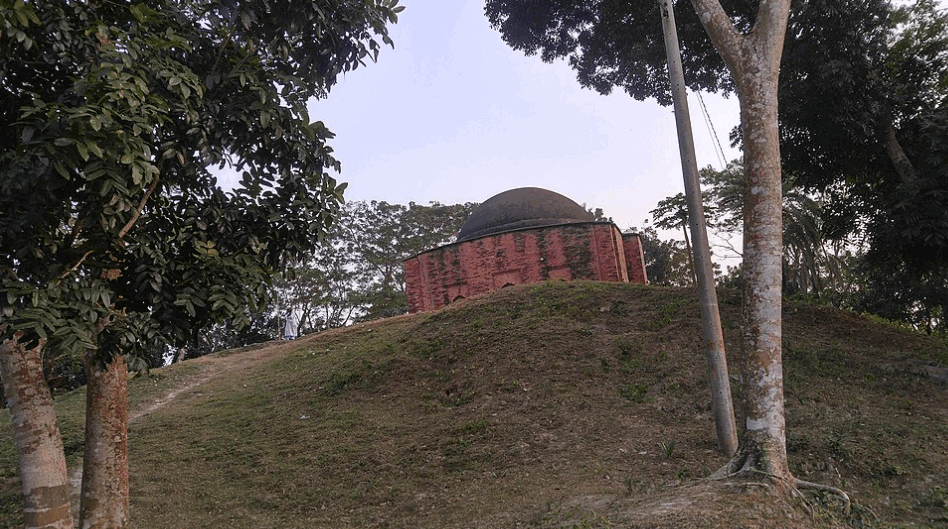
(113, 116)
(864, 124)
(383, 235)
(353, 274)
(859, 74)
(356, 274)
(672, 213)
(323, 288)
(617, 44)
(814, 249)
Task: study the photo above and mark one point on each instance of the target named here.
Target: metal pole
(710, 317)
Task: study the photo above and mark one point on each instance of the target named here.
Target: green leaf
(94, 147)
(21, 16)
(61, 169)
(136, 173)
(138, 12)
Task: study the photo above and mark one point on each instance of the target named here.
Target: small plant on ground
(635, 393)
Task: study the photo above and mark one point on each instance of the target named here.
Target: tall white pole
(710, 317)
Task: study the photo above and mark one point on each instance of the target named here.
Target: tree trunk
(304, 318)
(42, 461)
(104, 500)
(762, 370)
(754, 61)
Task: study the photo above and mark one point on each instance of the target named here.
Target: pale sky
(453, 114)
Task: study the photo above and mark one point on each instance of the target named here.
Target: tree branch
(141, 206)
(770, 30)
(903, 166)
(220, 52)
(767, 36)
(74, 267)
(128, 226)
(725, 244)
(725, 37)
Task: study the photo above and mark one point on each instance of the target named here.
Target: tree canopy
(113, 119)
(862, 113)
(616, 44)
(863, 119)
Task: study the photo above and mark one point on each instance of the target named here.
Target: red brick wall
(591, 250)
(634, 257)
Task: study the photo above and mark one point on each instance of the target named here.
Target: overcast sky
(454, 115)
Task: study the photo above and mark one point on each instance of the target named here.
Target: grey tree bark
(900, 161)
(754, 61)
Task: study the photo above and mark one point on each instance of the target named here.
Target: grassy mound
(553, 405)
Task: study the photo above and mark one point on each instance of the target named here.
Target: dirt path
(212, 367)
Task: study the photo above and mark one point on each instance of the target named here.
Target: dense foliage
(864, 118)
(616, 44)
(115, 237)
(114, 117)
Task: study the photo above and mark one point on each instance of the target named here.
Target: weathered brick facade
(577, 250)
(634, 257)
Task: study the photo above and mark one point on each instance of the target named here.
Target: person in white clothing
(290, 330)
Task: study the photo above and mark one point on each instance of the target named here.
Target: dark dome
(525, 207)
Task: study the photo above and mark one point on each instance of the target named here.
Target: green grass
(523, 408)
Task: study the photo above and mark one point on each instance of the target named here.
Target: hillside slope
(551, 405)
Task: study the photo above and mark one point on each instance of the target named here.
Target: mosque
(523, 235)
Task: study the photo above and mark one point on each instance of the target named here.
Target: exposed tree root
(751, 463)
(745, 461)
(798, 484)
(743, 467)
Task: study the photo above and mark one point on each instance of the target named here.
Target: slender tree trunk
(42, 461)
(104, 500)
(762, 370)
(304, 318)
(754, 61)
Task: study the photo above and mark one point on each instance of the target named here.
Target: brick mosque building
(519, 236)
